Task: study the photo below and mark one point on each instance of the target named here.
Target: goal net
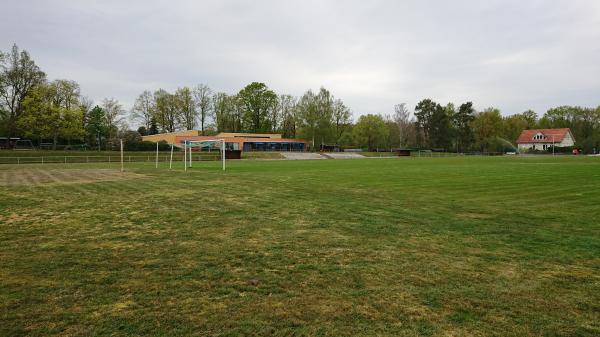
(191, 146)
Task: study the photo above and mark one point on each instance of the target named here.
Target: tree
(85, 104)
(221, 111)
(341, 118)
(203, 98)
(441, 127)
(393, 136)
(531, 118)
(131, 140)
(52, 111)
(18, 76)
(560, 117)
(166, 111)
(403, 123)
(424, 113)
(324, 101)
(153, 126)
(371, 130)
(513, 126)
(185, 108)
(314, 114)
(258, 102)
(309, 118)
(227, 112)
(113, 112)
(143, 108)
(286, 108)
(462, 121)
(433, 122)
(96, 126)
(487, 126)
(67, 97)
(347, 138)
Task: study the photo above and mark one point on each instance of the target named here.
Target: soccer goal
(201, 145)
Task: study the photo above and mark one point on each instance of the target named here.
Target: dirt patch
(471, 215)
(68, 176)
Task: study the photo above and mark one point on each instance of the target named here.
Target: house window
(538, 136)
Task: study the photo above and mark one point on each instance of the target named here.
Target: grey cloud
(513, 55)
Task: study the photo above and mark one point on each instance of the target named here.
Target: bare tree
(203, 98)
(287, 112)
(85, 104)
(143, 109)
(18, 75)
(114, 114)
(67, 93)
(402, 120)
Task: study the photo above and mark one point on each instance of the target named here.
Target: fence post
(18, 161)
(121, 155)
(65, 159)
(42, 160)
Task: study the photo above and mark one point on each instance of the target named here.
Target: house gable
(538, 136)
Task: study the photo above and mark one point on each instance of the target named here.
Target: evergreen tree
(96, 127)
(462, 126)
(153, 126)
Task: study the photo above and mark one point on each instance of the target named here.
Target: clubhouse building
(544, 139)
(235, 141)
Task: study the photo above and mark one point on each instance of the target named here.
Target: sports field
(506, 246)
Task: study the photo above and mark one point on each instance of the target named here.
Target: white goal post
(188, 145)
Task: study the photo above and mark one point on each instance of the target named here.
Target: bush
(130, 140)
(565, 149)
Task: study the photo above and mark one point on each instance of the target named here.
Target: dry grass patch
(31, 176)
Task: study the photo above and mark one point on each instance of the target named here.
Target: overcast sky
(513, 55)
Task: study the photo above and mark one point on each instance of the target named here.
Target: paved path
(343, 155)
(301, 155)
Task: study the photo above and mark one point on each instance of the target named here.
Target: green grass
(505, 246)
(379, 154)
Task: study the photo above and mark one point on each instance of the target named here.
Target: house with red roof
(543, 139)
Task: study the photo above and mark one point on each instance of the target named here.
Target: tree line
(56, 111)
(316, 116)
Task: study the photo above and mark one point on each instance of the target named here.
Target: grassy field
(502, 246)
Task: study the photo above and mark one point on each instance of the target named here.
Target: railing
(102, 159)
